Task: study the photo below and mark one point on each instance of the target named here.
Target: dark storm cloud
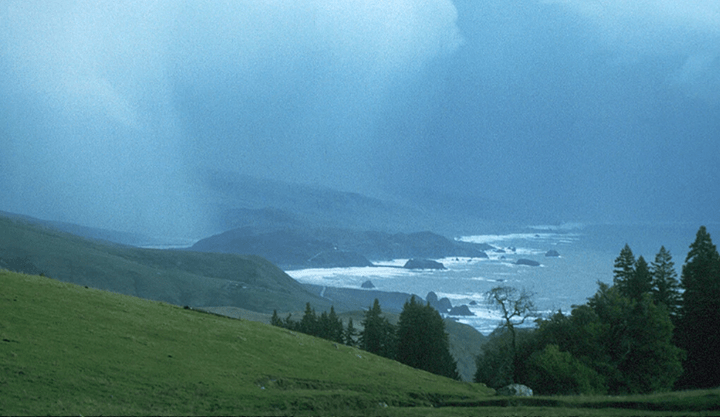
(567, 109)
(112, 107)
(597, 110)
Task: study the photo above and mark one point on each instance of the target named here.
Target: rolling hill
(177, 277)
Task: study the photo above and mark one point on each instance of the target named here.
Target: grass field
(70, 350)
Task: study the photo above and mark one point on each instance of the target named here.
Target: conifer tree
(422, 340)
(335, 327)
(624, 269)
(638, 283)
(350, 333)
(378, 335)
(665, 286)
(309, 322)
(698, 330)
(275, 320)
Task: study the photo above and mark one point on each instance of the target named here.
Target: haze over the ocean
(112, 111)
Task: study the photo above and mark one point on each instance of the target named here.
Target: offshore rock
(552, 253)
(515, 390)
(528, 262)
(423, 264)
(462, 310)
(367, 284)
(442, 305)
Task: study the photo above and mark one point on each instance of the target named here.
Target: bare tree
(515, 306)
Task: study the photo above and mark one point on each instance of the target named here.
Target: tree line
(418, 340)
(646, 332)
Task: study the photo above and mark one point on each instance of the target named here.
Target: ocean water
(587, 253)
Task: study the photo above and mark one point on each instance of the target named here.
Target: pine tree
(335, 327)
(638, 283)
(378, 335)
(624, 269)
(665, 286)
(309, 322)
(350, 334)
(698, 330)
(422, 340)
(275, 320)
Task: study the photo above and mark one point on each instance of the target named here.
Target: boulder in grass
(515, 390)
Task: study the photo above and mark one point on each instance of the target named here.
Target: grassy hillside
(66, 349)
(178, 277)
(465, 341)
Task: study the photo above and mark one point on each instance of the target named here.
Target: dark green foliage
(611, 344)
(665, 286)
(350, 334)
(334, 327)
(632, 278)
(275, 320)
(495, 363)
(327, 326)
(640, 282)
(422, 340)
(309, 321)
(552, 372)
(378, 335)
(582, 334)
(698, 328)
(638, 342)
(624, 267)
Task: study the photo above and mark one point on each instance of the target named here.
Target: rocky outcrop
(462, 310)
(423, 264)
(528, 262)
(367, 284)
(442, 305)
(515, 390)
(552, 253)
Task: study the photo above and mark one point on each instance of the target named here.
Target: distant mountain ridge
(242, 201)
(292, 248)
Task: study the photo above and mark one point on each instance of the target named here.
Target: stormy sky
(576, 110)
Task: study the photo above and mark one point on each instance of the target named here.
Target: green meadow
(70, 350)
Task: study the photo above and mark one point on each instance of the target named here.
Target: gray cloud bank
(589, 110)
